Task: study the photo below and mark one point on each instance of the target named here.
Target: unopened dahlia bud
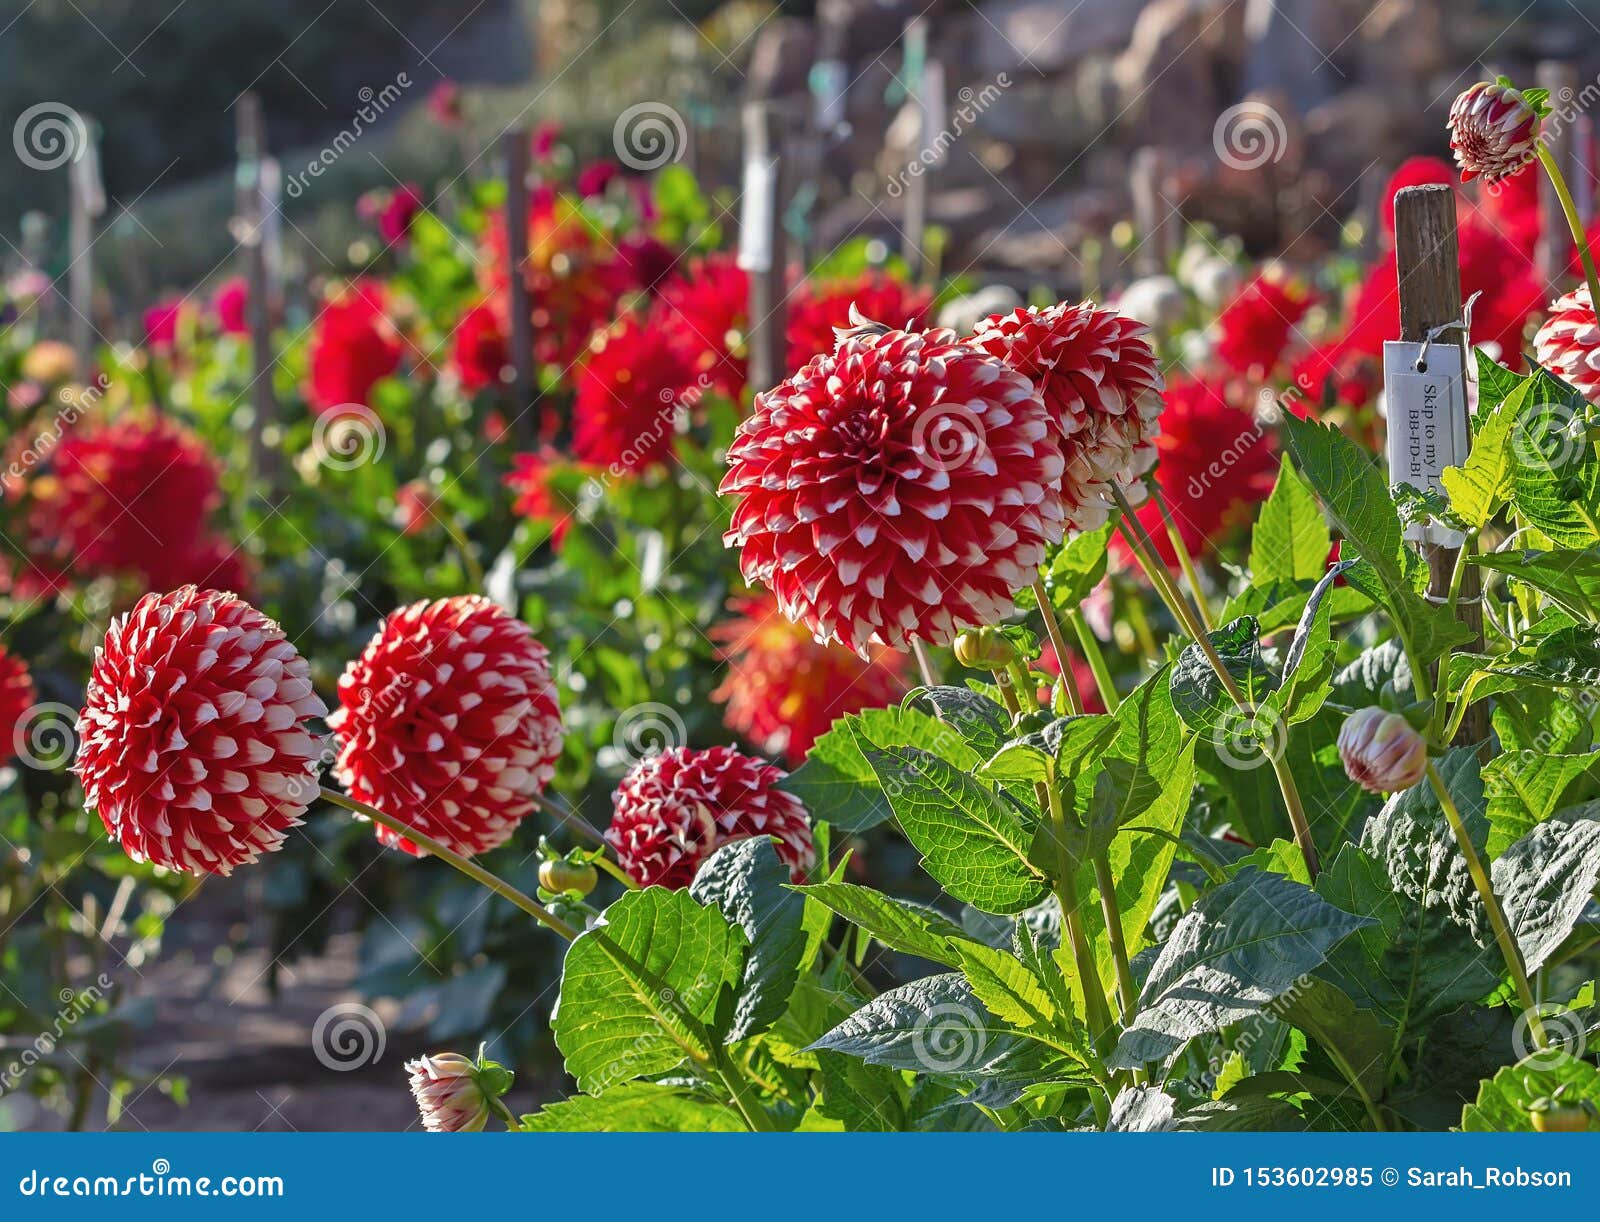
(984, 649)
(1381, 751)
(1493, 130)
(448, 1093)
(194, 747)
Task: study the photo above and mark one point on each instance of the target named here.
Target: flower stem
(1559, 182)
(1096, 1011)
(1127, 994)
(1497, 916)
(1007, 691)
(470, 868)
(1058, 642)
(1097, 660)
(929, 675)
(755, 1116)
(469, 562)
(1185, 561)
(570, 819)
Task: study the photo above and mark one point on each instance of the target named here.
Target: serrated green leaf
(636, 1107)
(1555, 472)
(1077, 566)
(1525, 787)
(1546, 880)
(1198, 694)
(1571, 579)
(1505, 1102)
(1006, 986)
(932, 1025)
(911, 929)
(1291, 540)
(1480, 485)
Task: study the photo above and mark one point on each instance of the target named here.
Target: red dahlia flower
(815, 310)
(537, 498)
(480, 352)
(705, 312)
(16, 698)
(161, 323)
(353, 344)
(1568, 344)
(231, 304)
(1257, 325)
(1102, 391)
(630, 392)
(193, 744)
(899, 488)
(783, 690)
(677, 807)
(1493, 131)
(399, 209)
(448, 722)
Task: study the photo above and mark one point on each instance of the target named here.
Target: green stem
(1185, 561)
(1574, 223)
(1497, 916)
(1127, 994)
(1097, 1011)
(469, 562)
(1058, 642)
(1441, 699)
(513, 1125)
(570, 819)
(1008, 691)
(470, 868)
(930, 677)
(755, 1116)
(1090, 645)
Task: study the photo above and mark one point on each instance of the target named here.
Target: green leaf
(1505, 1102)
(899, 924)
(1141, 1109)
(1078, 566)
(1495, 382)
(1355, 1040)
(1480, 485)
(1006, 986)
(1308, 665)
(1525, 787)
(636, 1107)
(983, 725)
(637, 991)
(1556, 472)
(932, 1025)
(1571, 579)
(1546, 880)
(972, 841)
(1566, 657)
(1291, 540)
(748, 883)
(1241, 946)
(1197, 692)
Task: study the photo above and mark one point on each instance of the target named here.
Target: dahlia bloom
(595, 177)
(649, 260)
(677, 807)
(445, 1086)
(1493, 131)
(1102, 392)
(161, 323)
(783, 690)
(127, 497)
(444, 103)
(231, 304)
(1568, 344)
(399, 209)
(1256, 327)
(16, 698)
(415, 502)
(353, 345)
(629, 394)
(1381, 752)
(899, 488)
(816, 310)
(537, 498)
(705, 312)
(448, 722)
(193, 743)
(479, 353)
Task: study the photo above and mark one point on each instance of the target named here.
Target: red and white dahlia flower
(1568, 344)
(677, 807)
(1493, 131)
(1102, 390)
(448, 1094)
(448, 722)
(900, 488)
(193, 744)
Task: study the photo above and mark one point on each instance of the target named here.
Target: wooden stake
(913, 64)
(87, 201)
(763, 249)
(1554, 251)
(250, 135)
(525, 386)
(1428, 261)
(1152, 215)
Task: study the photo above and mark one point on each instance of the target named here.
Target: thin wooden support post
(250, 142)
(525, 382)
(763, 248)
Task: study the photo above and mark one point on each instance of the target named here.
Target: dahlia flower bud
(1101, 387)
(1568, 344)
(448, 1093)
(194, 747)
(899, 488)
(448, 721)
(1493, 130)
(1381, 751)
(984, 649)
(677, 807)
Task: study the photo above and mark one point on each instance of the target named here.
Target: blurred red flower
(595, 177)
(16, 698)
(353, 344)
(161, 323)
(231, 303)
(398, 211)
(704, 312)
(1255, 328)
(480, 353)
(629, 395)
(444, 103)
(537, 499)
(816, 309)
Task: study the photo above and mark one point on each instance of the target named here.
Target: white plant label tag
(756, 213)
(1425, 394)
